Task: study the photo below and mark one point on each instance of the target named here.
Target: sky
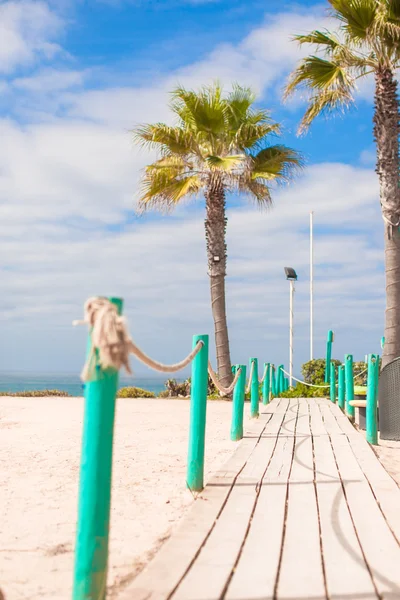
(75, 78)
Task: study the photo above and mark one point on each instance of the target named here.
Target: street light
(291, 276)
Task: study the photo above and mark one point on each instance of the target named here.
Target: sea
(20, 382)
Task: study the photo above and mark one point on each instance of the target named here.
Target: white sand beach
(39, 455)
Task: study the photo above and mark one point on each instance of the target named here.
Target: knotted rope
(222, 390)
(112, 344)
(250, 377)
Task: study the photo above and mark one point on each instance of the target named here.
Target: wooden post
(341, 387)
(328, 355)
(372, 399)
(198, 407)
(349, 384)
(273, 381)
(281, 377)
(238, 405)
(91, 549)
(266, 383)
(254, 390)
(333, 382)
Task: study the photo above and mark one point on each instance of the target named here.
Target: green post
(254, 390)
(273, 381)
(266, 383)
(91, 548)
(382, 342)
(238, 405)
(286, 384)
(198, 407)
(328, 355)
(372, 399)
(341, 387)
(349, 384)
(333, 382)
(281, 379)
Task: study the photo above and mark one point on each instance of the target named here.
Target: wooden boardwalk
(302, 510)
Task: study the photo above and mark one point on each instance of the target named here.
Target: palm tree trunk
(386, 132)
(215, 225)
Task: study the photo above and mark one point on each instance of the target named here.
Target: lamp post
(291, 276)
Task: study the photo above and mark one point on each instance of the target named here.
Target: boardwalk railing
(109, 346)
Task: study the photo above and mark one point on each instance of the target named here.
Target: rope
(222, 390)
(362, 373)
(264, 375)
(305, 382)
(250, 378)
(112, 344)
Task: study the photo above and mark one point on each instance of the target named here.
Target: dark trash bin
(389, 401)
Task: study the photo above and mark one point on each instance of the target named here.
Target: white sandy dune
(39, 456)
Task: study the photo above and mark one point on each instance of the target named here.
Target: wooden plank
(164, 572)
(301, 573)
(209, 574)
(256, 573)
(343, 421)
(381, 551)
(279, 410)
(342, 554)
(330, 422)
(316, 422)
(385, 489)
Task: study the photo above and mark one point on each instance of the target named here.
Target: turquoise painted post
(333, 382)
(328, 355)
(91, 549)
(382, 342)
(286, 384)
(254, 390)
(238, 404)
(349, 384)
(198, 407)
(266, 383)
(279, 380)
(341, 387)
(372, 399)
(273, 381)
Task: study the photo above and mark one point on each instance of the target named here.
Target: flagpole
(311, 286)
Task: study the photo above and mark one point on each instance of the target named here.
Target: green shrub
(134, 392)
(300, 390)
(37, 393)
(314, 370)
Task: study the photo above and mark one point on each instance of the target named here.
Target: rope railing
(109, 348)
(264, 374)
(223, 390)
(305, 382)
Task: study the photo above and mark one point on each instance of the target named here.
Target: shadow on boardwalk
(303, 510)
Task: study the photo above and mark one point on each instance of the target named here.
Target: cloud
(27, 32)
(49, 80)
(68, 178)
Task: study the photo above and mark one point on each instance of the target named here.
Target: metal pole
(311, 286)
(291, 333)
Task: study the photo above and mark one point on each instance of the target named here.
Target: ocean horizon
(71, 383)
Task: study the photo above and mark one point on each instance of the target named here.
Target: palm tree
(217, 145)
(367, 41)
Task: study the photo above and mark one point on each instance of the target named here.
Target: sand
(39, 456)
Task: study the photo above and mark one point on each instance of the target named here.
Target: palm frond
(248, 135)
(319, 74)
(175, 140)
(258, 190)
(357, 16)
(325, 101)
(275, 163)
(225, 163)
(320, 38)
(387, 21)
(165, 187)
(239, 103)
(204, 110)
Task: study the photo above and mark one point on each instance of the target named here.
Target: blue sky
(75, 77)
